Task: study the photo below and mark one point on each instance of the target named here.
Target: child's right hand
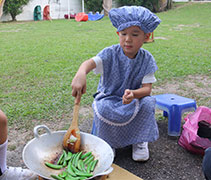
(79, 81)
(79, 84)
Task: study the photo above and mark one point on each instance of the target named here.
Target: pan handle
(36, 128)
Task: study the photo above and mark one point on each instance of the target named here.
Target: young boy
(123, 107)
(10, 173)
(206, 164)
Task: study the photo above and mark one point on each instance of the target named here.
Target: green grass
(39, 59)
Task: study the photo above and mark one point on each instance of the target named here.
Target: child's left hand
(127, 97)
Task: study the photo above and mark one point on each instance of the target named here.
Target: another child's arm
(79, 81)
(129, 95)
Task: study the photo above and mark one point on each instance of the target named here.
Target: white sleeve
(149, 78)
(99, 65)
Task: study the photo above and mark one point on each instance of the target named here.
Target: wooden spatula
(72, 138)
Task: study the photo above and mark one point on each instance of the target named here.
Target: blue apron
(124, 124)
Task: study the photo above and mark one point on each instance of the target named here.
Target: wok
(48, 146)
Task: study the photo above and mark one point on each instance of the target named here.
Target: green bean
(82, 165)
(69, 177)
(64, 163)
(79, 165)
(74, 160)
(84, 174)
(88, 169)
(60, 159)
(53, 166)
(56, 177)
(75, 169)
(65, 156)
(82, 178)
(93, 165)
(69, 156)
(77, 158)
(86, 155)
(63, 174)
(70, 170)
(88, 160)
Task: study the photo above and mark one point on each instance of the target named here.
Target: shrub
(94, 5)
(146, 3)
(14, 7)
(153, 5)
(130, 2)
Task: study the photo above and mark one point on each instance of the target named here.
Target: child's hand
(78, 84)
(127, 97)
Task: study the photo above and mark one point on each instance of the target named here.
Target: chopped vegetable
(72, 139)
(76, 166)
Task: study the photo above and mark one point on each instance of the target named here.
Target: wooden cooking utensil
(73, 130)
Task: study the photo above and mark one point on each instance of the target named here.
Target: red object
(81, 17)
(46, 13)
(66, 16)
(72, 16)
(189, 138)
(149, 38)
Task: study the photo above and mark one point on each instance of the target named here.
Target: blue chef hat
(127, 16)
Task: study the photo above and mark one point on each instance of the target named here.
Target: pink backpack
(189, 138)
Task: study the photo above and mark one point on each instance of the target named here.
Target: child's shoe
(140, 152)
(17, 173)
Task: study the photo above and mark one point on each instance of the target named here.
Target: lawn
(39, 59)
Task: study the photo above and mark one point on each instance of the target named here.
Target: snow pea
(89, 159)
(53, 166)
(69, 177)
(77, 158)
(75, 169)
(93, 165)
(84, 174)
(69, 156)
(60, 159)
(70, 169)
(88, 169)
(65, 156)
(86, 155)
(56, 177)
(81, 165)
(63, 174)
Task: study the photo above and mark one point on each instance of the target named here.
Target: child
(123, 107)
(10, 173)
(206, 164)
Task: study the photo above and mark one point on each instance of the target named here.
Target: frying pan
(48, 146)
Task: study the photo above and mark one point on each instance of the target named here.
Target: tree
(1, 7)
(146, 3)
(130, 2)
(14, 7)
(107, 5)
(94, 5)
(153, 5)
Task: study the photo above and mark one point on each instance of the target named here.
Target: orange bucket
(81, 17)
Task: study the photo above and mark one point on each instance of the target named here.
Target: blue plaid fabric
(124, 124)
(127, 16)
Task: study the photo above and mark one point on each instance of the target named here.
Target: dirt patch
(168, 160)
(194, 87)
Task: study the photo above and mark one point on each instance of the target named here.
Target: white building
(58, 8)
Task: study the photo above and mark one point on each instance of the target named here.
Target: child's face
(131, 40)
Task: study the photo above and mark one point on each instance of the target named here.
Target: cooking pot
(48, 146)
